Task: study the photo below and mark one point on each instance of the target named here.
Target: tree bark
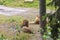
(42, 13)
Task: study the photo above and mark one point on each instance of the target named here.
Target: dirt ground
(30, 15)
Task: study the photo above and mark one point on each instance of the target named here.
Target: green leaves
(44, 17)
(2, 37)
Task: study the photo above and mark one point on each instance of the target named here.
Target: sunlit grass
(50, 6)
(20, 3)
(7, 19)
(17, 36)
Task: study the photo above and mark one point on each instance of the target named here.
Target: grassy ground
(21, 36)
(7, 33)
(5, 19)
(20, 3)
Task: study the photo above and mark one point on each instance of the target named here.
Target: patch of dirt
(29, 15)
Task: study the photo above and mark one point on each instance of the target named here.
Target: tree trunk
(42, 13)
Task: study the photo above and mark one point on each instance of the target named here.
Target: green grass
(20, 3)
(21, 36)
(5, 19)
(9, 35)
(49, 7)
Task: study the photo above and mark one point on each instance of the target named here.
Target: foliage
(2, 37)
(18, 36)
(52, 28)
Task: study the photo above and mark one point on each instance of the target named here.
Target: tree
(42, 14)
(54, 18)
